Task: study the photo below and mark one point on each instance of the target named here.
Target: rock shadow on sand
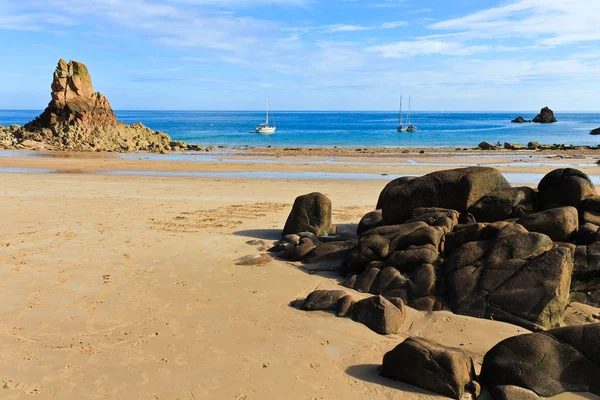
(369, 373)
(264, 234)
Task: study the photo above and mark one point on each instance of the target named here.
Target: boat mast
(408, 115)
(267, 122)
(400, 114)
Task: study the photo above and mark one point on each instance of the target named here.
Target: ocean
(353, 129)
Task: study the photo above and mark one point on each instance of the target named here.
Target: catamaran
(409, 127)
(400, 127)
(265, 128)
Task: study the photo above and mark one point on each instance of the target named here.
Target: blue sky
(308, 54)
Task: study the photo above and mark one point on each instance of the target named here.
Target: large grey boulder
(310, 213)
(560, 224)
(564, 187)
(520, 278)
(369, 221)
(379, 314)
(549, 363)
(456, 189)
(504, 204)
(430, 366)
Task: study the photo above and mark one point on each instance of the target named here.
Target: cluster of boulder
(532, 146)
(79, 119)
(466, 240)
(546, 116)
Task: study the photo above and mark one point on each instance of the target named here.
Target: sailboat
(265, 128)
(400, 127)
(409, 127)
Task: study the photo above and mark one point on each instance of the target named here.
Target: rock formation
(513, 146)
(494, 251)
(431, 366)
(520, 120)
(381, 315)
(546, 116)
(487, 146)
(77, 118)
(310, 213)
(595, 131)
(467, 241)
(456, 189)
(549, 363)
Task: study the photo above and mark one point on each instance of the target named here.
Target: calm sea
(353, 129)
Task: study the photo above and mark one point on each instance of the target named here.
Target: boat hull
(265, 130)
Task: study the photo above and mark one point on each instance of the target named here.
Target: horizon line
(308, 111)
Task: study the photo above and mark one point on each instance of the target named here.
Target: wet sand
(124, 287)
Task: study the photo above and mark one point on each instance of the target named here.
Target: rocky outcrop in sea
(595, 131)
(546, 116)
(465, 240)
(80, 119)
(520, 120)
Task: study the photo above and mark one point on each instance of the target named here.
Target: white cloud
(421, 47)
(395, 24)
(345, 28)
(551, 22)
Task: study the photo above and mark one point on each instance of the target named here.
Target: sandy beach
(125, 287)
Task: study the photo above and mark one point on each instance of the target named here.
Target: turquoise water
(353, 129)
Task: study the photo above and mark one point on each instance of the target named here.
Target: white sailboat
(409, 127)
(400, 127)
(265, 128)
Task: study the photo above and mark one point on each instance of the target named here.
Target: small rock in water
(254, 259)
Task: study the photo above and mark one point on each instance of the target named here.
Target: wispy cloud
(550, 22)
(408, 49)
(345, 28)
(395, 24)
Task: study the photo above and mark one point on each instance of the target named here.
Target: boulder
(587, 261)
(379, 314)
(328, 300)
(546, 116)
(430, 366)
(533, 145)
(436, 217)
(310, 213)
(513, 146)
(332, 251)
(595, 131)
(369, 221)
(520, 278)
(77, 118)
(416, 288)
(520, 120)
(587, 234)
(386, 190)
(487, 146)
(511, 392)
(564, 187)
(504, 204)
(456, 189)
(560, 224)
(549, 363)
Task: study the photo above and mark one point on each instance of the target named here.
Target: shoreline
(519, 168)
